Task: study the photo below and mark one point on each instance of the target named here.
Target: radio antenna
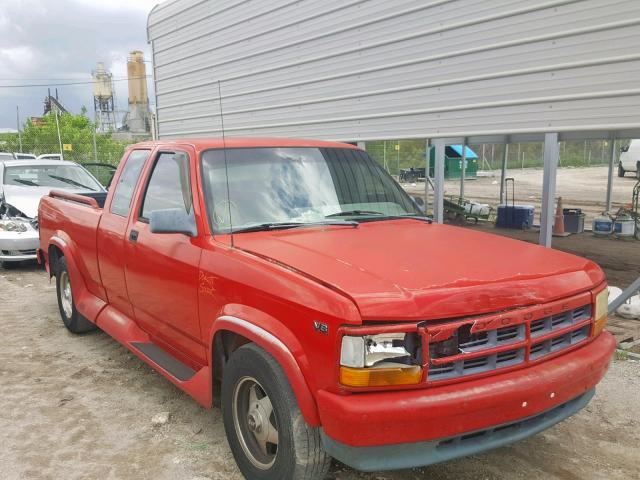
(226, 166)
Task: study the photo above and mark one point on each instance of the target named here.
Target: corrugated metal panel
(376, 69)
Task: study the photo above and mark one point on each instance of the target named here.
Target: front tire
(620, 170)
(71, 318)
(266, 431)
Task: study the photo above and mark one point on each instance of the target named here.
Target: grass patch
(621, 355)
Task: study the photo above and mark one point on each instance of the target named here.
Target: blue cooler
(515, 216)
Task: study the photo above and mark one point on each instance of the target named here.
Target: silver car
(24, 182)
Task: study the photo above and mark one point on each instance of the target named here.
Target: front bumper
(392, 430)
(19, 246)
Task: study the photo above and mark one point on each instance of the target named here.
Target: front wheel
(71, 318)
(620, 170)
(266, 431)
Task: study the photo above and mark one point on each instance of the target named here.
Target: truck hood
(412, 270)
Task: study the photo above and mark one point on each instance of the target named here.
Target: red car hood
(408, 269)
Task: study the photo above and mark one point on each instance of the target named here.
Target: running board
(171, 364)
(198, 384)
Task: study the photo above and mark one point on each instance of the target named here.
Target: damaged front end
(19, 236)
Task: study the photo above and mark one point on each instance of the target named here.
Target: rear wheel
(620, 170)
(266, 431)
(71, 318)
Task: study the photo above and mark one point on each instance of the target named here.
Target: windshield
(69, 177)
(297, 185)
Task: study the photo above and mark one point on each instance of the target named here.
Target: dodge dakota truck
(278, 280)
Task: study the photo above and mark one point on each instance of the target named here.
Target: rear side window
(127, 182)
(169, 185)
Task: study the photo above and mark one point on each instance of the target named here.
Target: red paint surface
(179, 292)
(439, 412)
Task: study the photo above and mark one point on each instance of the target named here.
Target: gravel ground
(81, 407)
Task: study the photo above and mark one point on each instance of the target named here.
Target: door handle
(133, 236)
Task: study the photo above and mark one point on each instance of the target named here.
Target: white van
(629, 159)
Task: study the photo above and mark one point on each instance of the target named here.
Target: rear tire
(71, 318)
(621, 171)
(265, 429)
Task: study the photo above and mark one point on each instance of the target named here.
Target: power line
(90, 82)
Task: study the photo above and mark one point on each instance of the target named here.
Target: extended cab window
(127, 182)
(169, 186)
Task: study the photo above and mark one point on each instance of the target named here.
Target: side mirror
(419, 201)
(172, 220)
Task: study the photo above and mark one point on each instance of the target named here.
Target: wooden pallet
(623, 329)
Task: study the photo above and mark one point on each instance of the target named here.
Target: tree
(39, 137)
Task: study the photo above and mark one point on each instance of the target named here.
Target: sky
(60, 41)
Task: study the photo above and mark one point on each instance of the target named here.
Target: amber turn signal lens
(601, 313)
(379, 377)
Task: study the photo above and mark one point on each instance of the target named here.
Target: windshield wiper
(71, 182)
(378, 215)
(355, 213)
(288, 225)
(26, 182)
(422, 218)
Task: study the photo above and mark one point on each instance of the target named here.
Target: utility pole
(95, 125)
(384, 157)
(18, 125)
(59, 137)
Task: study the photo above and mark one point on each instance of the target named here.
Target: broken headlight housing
(14, 225)
(381, 360)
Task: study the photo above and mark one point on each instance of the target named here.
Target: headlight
(601, 312)
(379, 360)
(13, 225)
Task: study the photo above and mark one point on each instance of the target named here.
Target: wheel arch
(242, 331)
(86, 303)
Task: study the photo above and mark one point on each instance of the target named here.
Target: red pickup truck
(296, 285)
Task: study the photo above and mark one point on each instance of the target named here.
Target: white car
(24, 156)
(23, 184)
(629, 159)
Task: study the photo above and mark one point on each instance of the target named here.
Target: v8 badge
(319, 327)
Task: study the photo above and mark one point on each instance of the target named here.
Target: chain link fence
(82, 152)
(397, 155)
(72, 136)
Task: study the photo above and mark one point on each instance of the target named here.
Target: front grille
(477, 365)
(532, 339)
(559, 321)
(17, 253)
(560, 342)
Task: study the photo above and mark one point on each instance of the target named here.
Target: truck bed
(74, 220)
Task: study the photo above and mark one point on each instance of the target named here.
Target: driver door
(161, 268)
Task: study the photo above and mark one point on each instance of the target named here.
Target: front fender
(284, 348)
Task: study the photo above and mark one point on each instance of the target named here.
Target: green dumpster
(453, 162)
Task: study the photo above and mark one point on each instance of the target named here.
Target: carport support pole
(551, 155)
(612, 159)
(438, 180)
(503, 173)
(463, 167)
(427, 167)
